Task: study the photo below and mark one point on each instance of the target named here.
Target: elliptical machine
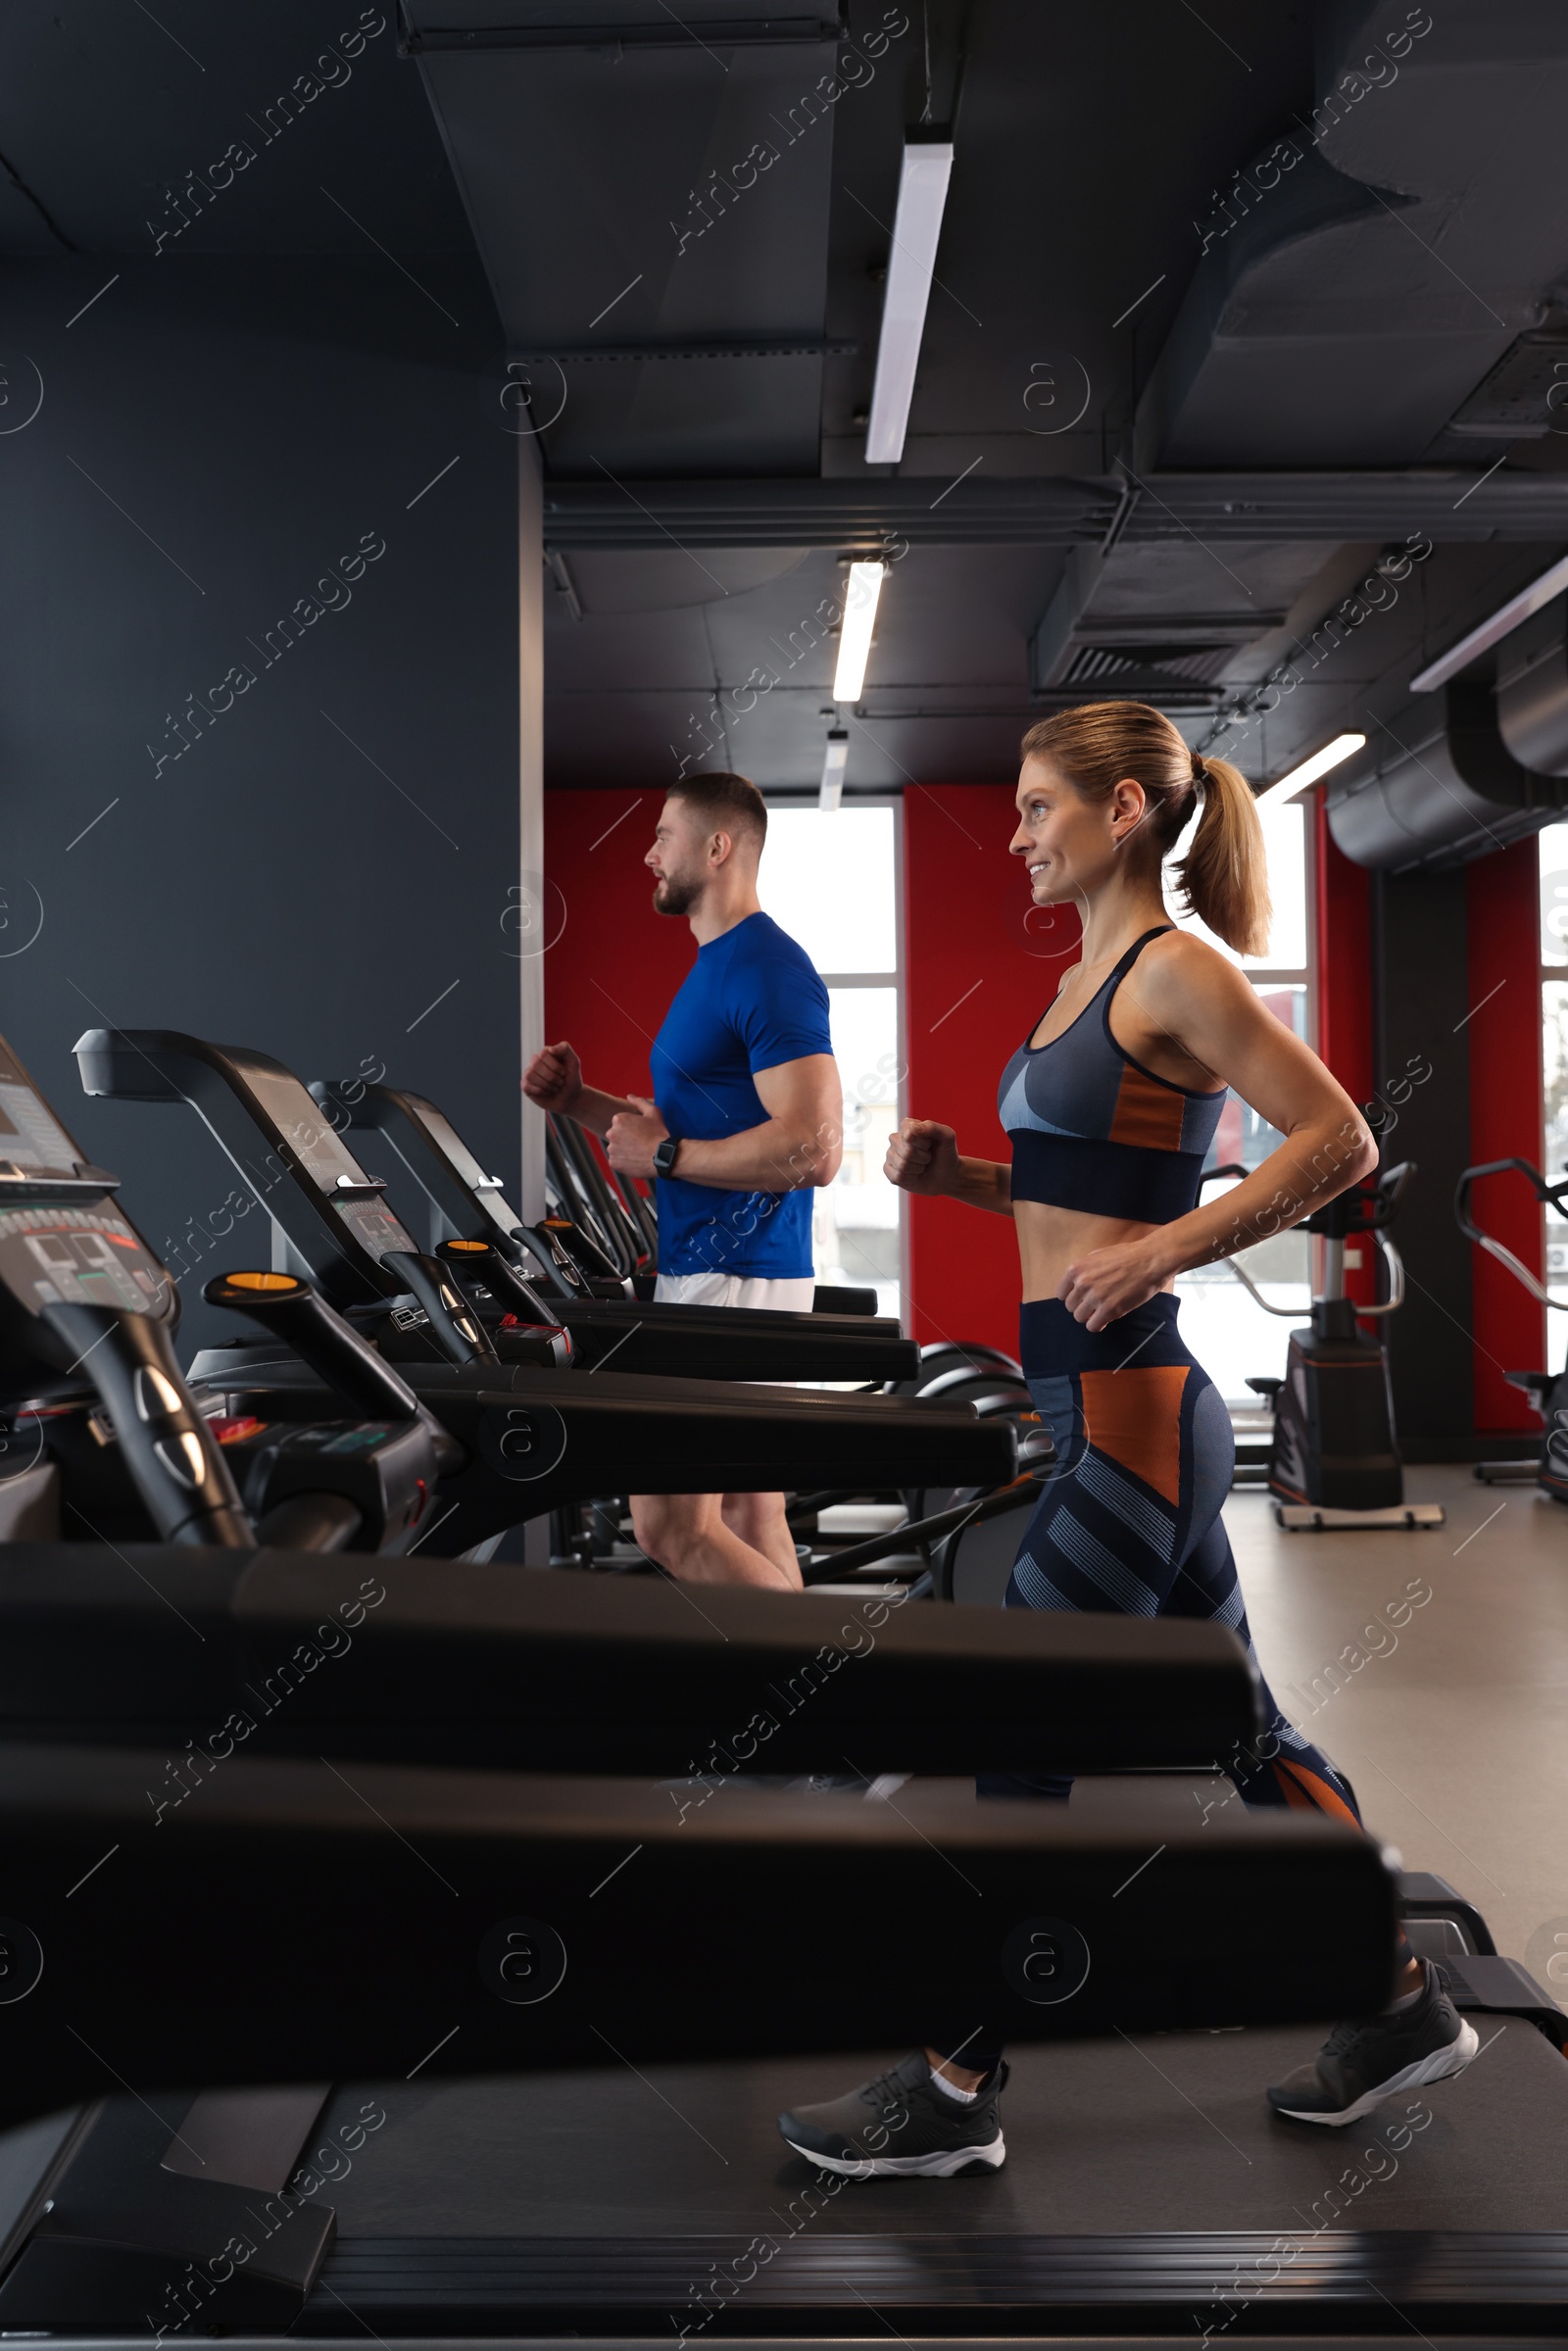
(1333, 1459)
(1548, 1390)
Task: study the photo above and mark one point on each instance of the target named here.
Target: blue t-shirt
(752, 1000)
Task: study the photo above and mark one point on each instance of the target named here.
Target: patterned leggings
(1129, 1524)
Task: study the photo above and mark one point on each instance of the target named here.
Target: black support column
(1419, 1015)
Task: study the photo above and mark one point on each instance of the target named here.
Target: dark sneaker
(900, 2125)
(1368, 2059)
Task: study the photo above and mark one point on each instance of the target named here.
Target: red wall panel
(613, 963)
(1343, 896)
(981, 965)
(1503, 920)
(1344, 962)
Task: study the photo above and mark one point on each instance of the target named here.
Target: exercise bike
(1333, 1459)
(1548, 1390)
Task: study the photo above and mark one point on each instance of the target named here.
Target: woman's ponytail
(1225, 871)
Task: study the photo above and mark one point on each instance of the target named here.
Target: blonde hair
(1224, 875)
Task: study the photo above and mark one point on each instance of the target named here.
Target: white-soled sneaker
(1367, 2059)
(902, 2125)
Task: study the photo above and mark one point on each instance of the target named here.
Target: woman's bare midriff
(1050, 1240)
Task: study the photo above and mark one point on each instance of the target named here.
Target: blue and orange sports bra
(1092, 1129)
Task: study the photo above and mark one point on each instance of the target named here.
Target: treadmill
(526, 1439)
(103, 1437)
(338, 1228)
(468, 1214)
(393, 1925)
(540, 2135)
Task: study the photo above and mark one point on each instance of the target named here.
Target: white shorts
(791, 1296)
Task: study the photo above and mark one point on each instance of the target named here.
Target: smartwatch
(664, 1155)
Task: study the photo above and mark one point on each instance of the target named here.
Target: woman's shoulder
(1189, 967)
(1176, 949)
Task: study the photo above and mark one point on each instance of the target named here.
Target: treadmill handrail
(1381, 1207)
(594, 1196)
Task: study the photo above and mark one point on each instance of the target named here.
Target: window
(1230, 1334)
(831, 881)
(1554, 1066)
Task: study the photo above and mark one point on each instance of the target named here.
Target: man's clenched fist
(553, 1080)
(633, 1138)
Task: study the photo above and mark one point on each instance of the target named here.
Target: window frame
(793, 801)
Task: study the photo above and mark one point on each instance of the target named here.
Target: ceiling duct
(1160, 624)
(1452, 796)
(649, 185)
(1363, 276)
(1533, 691)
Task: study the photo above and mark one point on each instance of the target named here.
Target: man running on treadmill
(746, 1118)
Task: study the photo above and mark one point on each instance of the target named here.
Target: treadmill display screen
(374, 1227)
(449, 1143)
(77, 1258)
(444, 1138)
(31, 1138)
(305, 1127)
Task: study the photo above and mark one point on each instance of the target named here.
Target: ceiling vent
(1158, 672)
(1524, 397)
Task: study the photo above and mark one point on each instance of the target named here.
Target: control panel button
(183, 1459)
(157, 1397)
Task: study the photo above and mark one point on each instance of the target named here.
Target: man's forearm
(773, 1157)
(596, 1110)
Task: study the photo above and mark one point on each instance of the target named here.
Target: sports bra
(1092, 1129)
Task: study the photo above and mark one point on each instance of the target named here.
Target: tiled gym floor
(1454, 1726)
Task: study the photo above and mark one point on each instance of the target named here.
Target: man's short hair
(730, 801)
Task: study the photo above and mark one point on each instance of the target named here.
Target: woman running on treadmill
(1112, 1103)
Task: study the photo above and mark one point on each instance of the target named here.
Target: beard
(673, 896)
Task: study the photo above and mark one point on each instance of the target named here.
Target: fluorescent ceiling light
(834, 756)
(1507, 617)
(916, 229)
(855, 636)
(1309, 770)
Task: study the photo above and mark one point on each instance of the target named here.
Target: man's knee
(753, 1514)
(665, 1525)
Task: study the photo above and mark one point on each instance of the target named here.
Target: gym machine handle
(454, 1324)
(1366, 1210)
(168, 1448)
(331, 1348)
(547, 1245)
(1550, 1195)
(310, 1522)
(482, 1262)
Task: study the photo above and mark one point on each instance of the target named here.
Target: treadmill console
(52, 1256)
(324, 1157)
(428, 1146)
(33, 1142)
(62, 1242)
(444, 1136)
(282, 1144)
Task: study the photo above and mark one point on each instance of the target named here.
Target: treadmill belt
(1149, 2167)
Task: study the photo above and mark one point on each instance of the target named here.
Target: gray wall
(1420, 1008)
(246, 422)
